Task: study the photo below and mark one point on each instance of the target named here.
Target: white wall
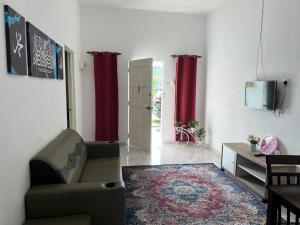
(140, 34)
(33, 110)
(233, 32)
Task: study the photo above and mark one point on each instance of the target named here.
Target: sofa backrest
(61, 161)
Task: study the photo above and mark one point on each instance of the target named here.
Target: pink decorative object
(269, 145)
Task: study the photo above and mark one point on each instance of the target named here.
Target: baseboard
(122, 143)
(168, 142)
(210, 147)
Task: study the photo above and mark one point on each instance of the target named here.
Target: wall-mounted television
(261, 94)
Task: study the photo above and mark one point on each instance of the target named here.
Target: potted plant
(177, 125)
(253, 140)
(192, 125)
(200, 134)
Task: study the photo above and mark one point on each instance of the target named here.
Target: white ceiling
(184, 6)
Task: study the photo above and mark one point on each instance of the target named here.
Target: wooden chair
(286, 191)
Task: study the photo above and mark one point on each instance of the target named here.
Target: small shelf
(253, 184)
(256, 171)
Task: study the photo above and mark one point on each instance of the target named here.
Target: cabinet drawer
(229, 160)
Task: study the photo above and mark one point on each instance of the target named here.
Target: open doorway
(70, 90)
(157, 94)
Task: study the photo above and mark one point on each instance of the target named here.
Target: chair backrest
(282, 160)
(61, 161)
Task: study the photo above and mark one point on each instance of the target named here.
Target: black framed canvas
(15, 42)
(60, 62)
(41, 53)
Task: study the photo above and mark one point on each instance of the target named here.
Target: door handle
(149, 107)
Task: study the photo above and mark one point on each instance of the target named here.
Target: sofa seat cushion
(68, 220)
(102, 170)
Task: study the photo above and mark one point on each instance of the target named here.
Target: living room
(235, 41)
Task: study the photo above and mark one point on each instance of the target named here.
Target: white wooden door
(140, 103)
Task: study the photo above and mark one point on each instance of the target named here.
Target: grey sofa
(72, 177)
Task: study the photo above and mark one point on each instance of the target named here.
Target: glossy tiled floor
(167, 154)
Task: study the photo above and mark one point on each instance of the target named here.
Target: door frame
(70, 87)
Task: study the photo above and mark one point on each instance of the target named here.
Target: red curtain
(106, 96)
(185, 90)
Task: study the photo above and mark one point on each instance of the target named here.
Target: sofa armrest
(102, 149)
(106, 205)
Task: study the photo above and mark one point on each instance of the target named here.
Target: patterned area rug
(188, 194)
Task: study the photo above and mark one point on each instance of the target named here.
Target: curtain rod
(196, 56)
(96, 52)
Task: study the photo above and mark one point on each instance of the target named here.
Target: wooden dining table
(283, 195)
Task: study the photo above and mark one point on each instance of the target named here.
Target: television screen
(261, 94)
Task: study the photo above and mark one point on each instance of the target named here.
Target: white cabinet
(229, 160)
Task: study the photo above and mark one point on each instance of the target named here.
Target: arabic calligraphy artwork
(41, 54)
(60, 62)
(15, 42)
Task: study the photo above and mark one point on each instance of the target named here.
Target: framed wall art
(15, 42)
(41, 53)
(60, 62)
